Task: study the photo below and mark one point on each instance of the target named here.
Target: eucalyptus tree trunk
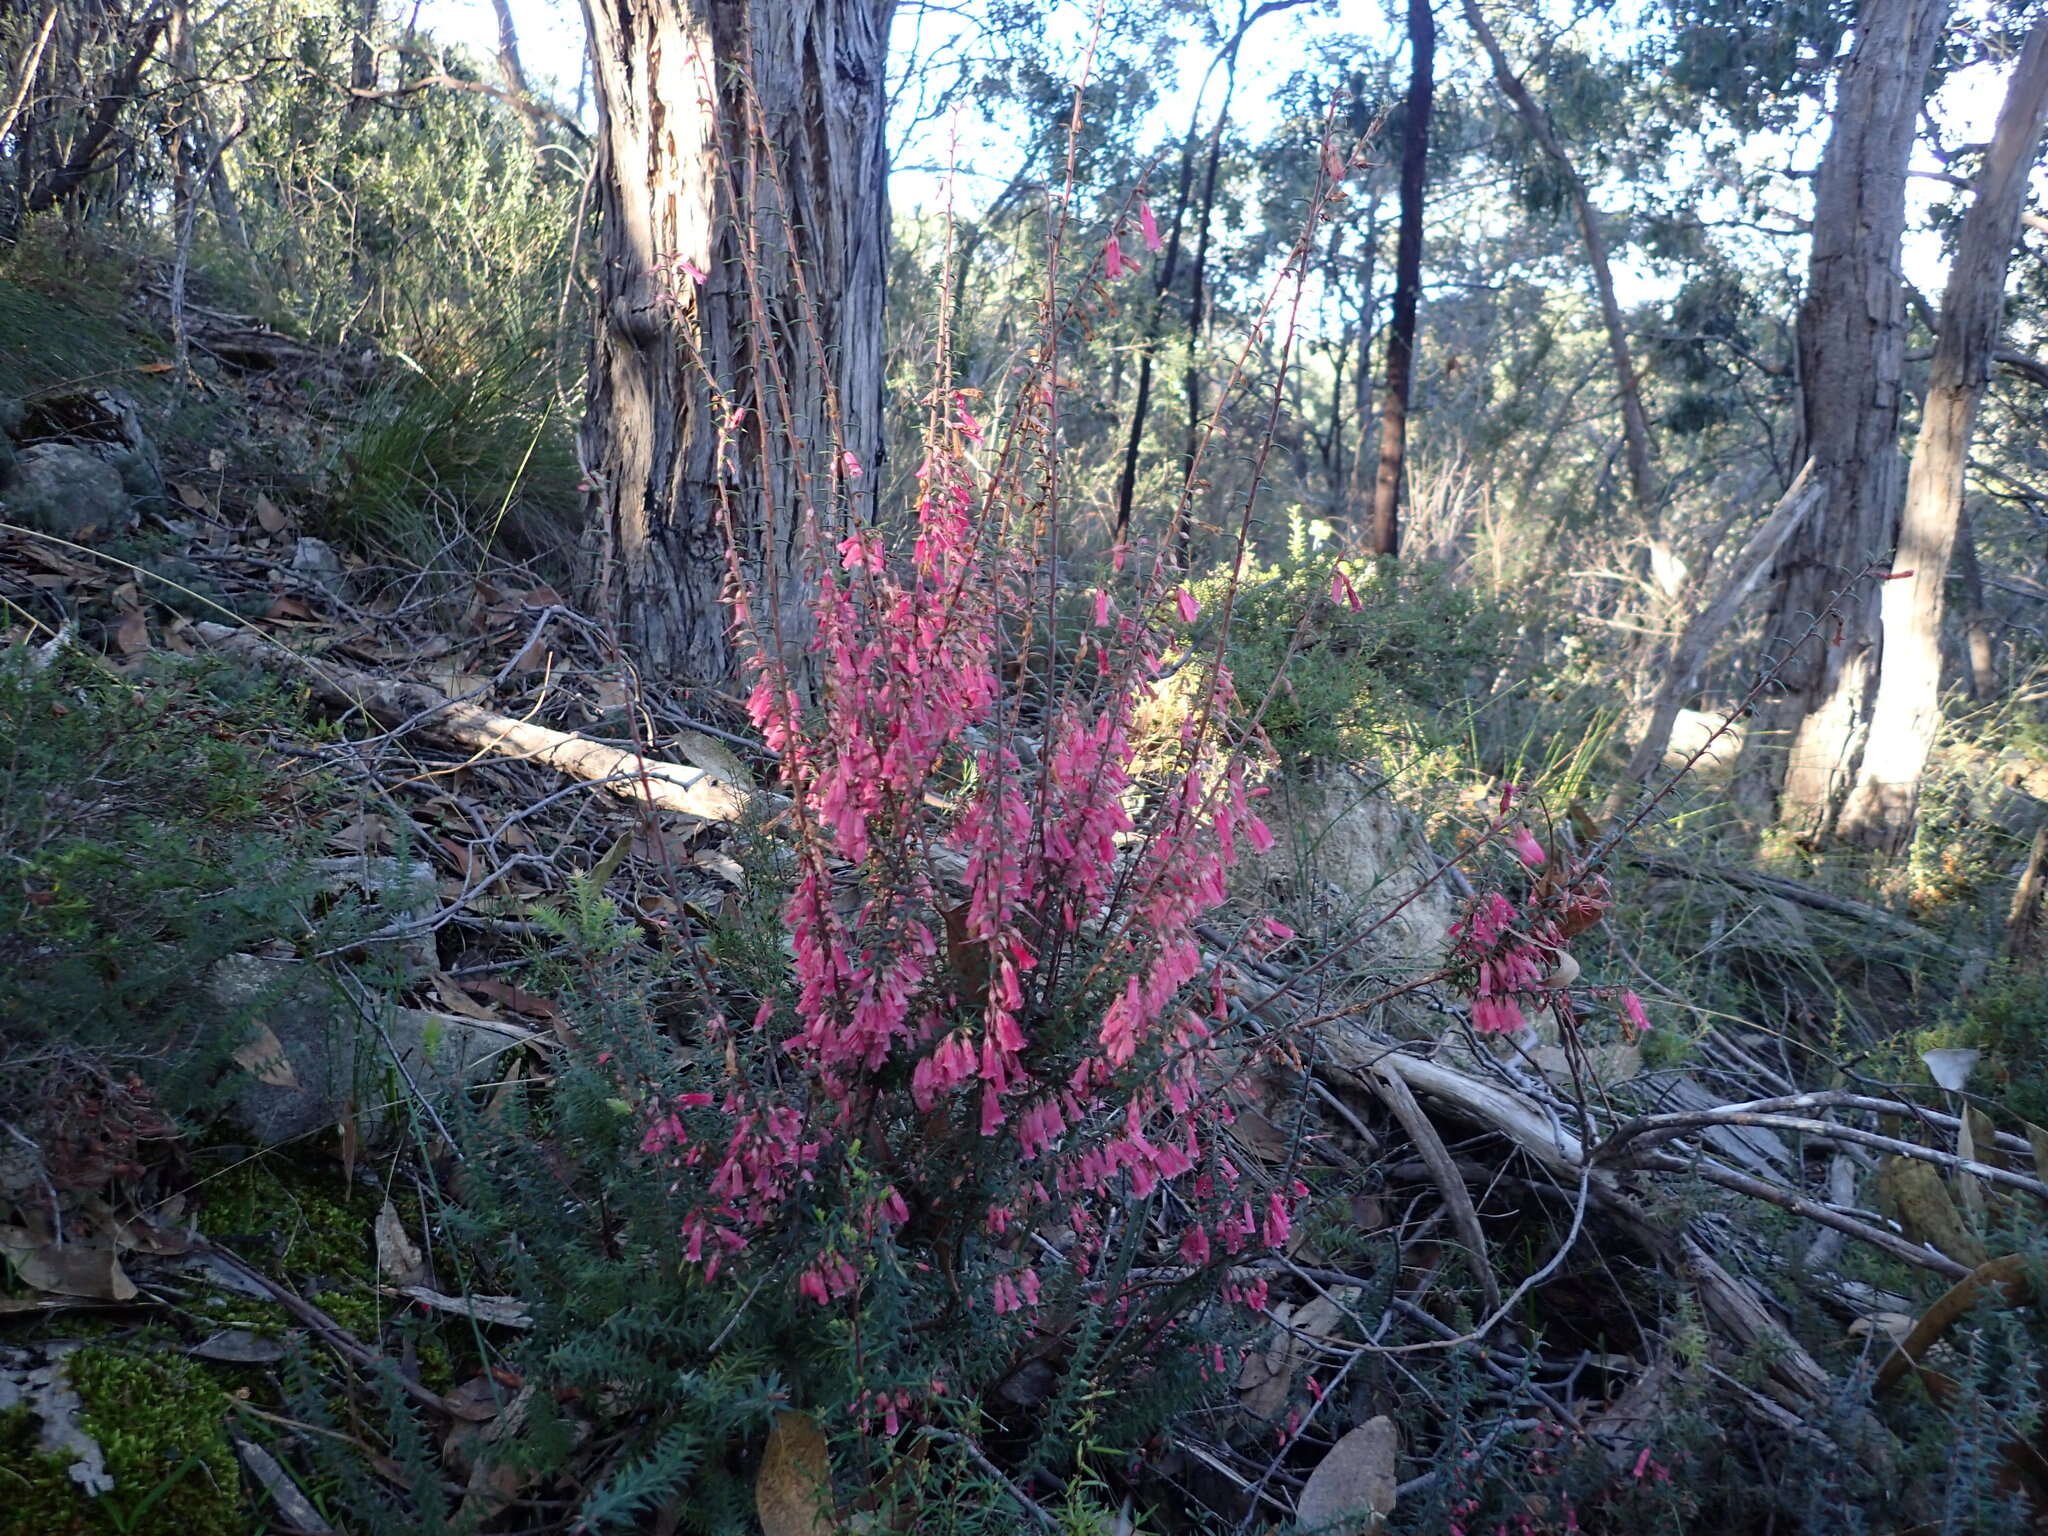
(1851, 339)
(1907, 713)
(1386, 498)
(736, 367)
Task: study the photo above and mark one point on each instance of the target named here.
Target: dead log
(399, 705)
(1747, 568)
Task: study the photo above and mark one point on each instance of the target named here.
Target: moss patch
(157, 1420)
(309, 1228)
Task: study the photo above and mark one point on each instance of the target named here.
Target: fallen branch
(339, 1339)
(1652, 1129)
(398, 704)
(1806, 492)
(1900, 1248)
(1393, 1089)
(1793, 891)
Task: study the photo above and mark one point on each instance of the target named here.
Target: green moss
(309, 1228)
(157, 1421)
(311, 1223)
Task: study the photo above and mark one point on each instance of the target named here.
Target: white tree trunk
(1908, 710)
(1852, 349)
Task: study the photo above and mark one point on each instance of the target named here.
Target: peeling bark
(1852, 346)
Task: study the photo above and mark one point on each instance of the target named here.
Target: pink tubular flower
(1636, 1015)
(1149, 227)
(957, 998)
(1114, 263)
(1341, 590)
(1527, 849)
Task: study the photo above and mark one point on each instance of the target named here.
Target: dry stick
(1394, 1089)
(338, 1338)
(665, 786)
(1790, 890)
(974, 1454)
(1836, 1221)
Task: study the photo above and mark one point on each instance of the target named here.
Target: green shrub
(1343, 682)
(145, 841)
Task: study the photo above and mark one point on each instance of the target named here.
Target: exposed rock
(1343, 847)
(316, 560)
(67, 490)
(77, 464)
(344, 1048)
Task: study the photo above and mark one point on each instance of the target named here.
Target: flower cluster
(1514, 960)
(992, 924)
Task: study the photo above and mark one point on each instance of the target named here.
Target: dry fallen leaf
(518, 999)
(264, 1059)
(1266, 1380)
(452, 997)
(1351, 1491)
(268, 516)
(501, 1311)
(398, 1259)
(239, 1346)
(131, 635)
(297, 1509)
(80, 1268)
(793, 1492)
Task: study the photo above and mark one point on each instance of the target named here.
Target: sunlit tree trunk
(1852, 347)
(1386, 499)
(1907, 713)
(737, 359)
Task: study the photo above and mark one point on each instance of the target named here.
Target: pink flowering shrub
(997, 1019)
